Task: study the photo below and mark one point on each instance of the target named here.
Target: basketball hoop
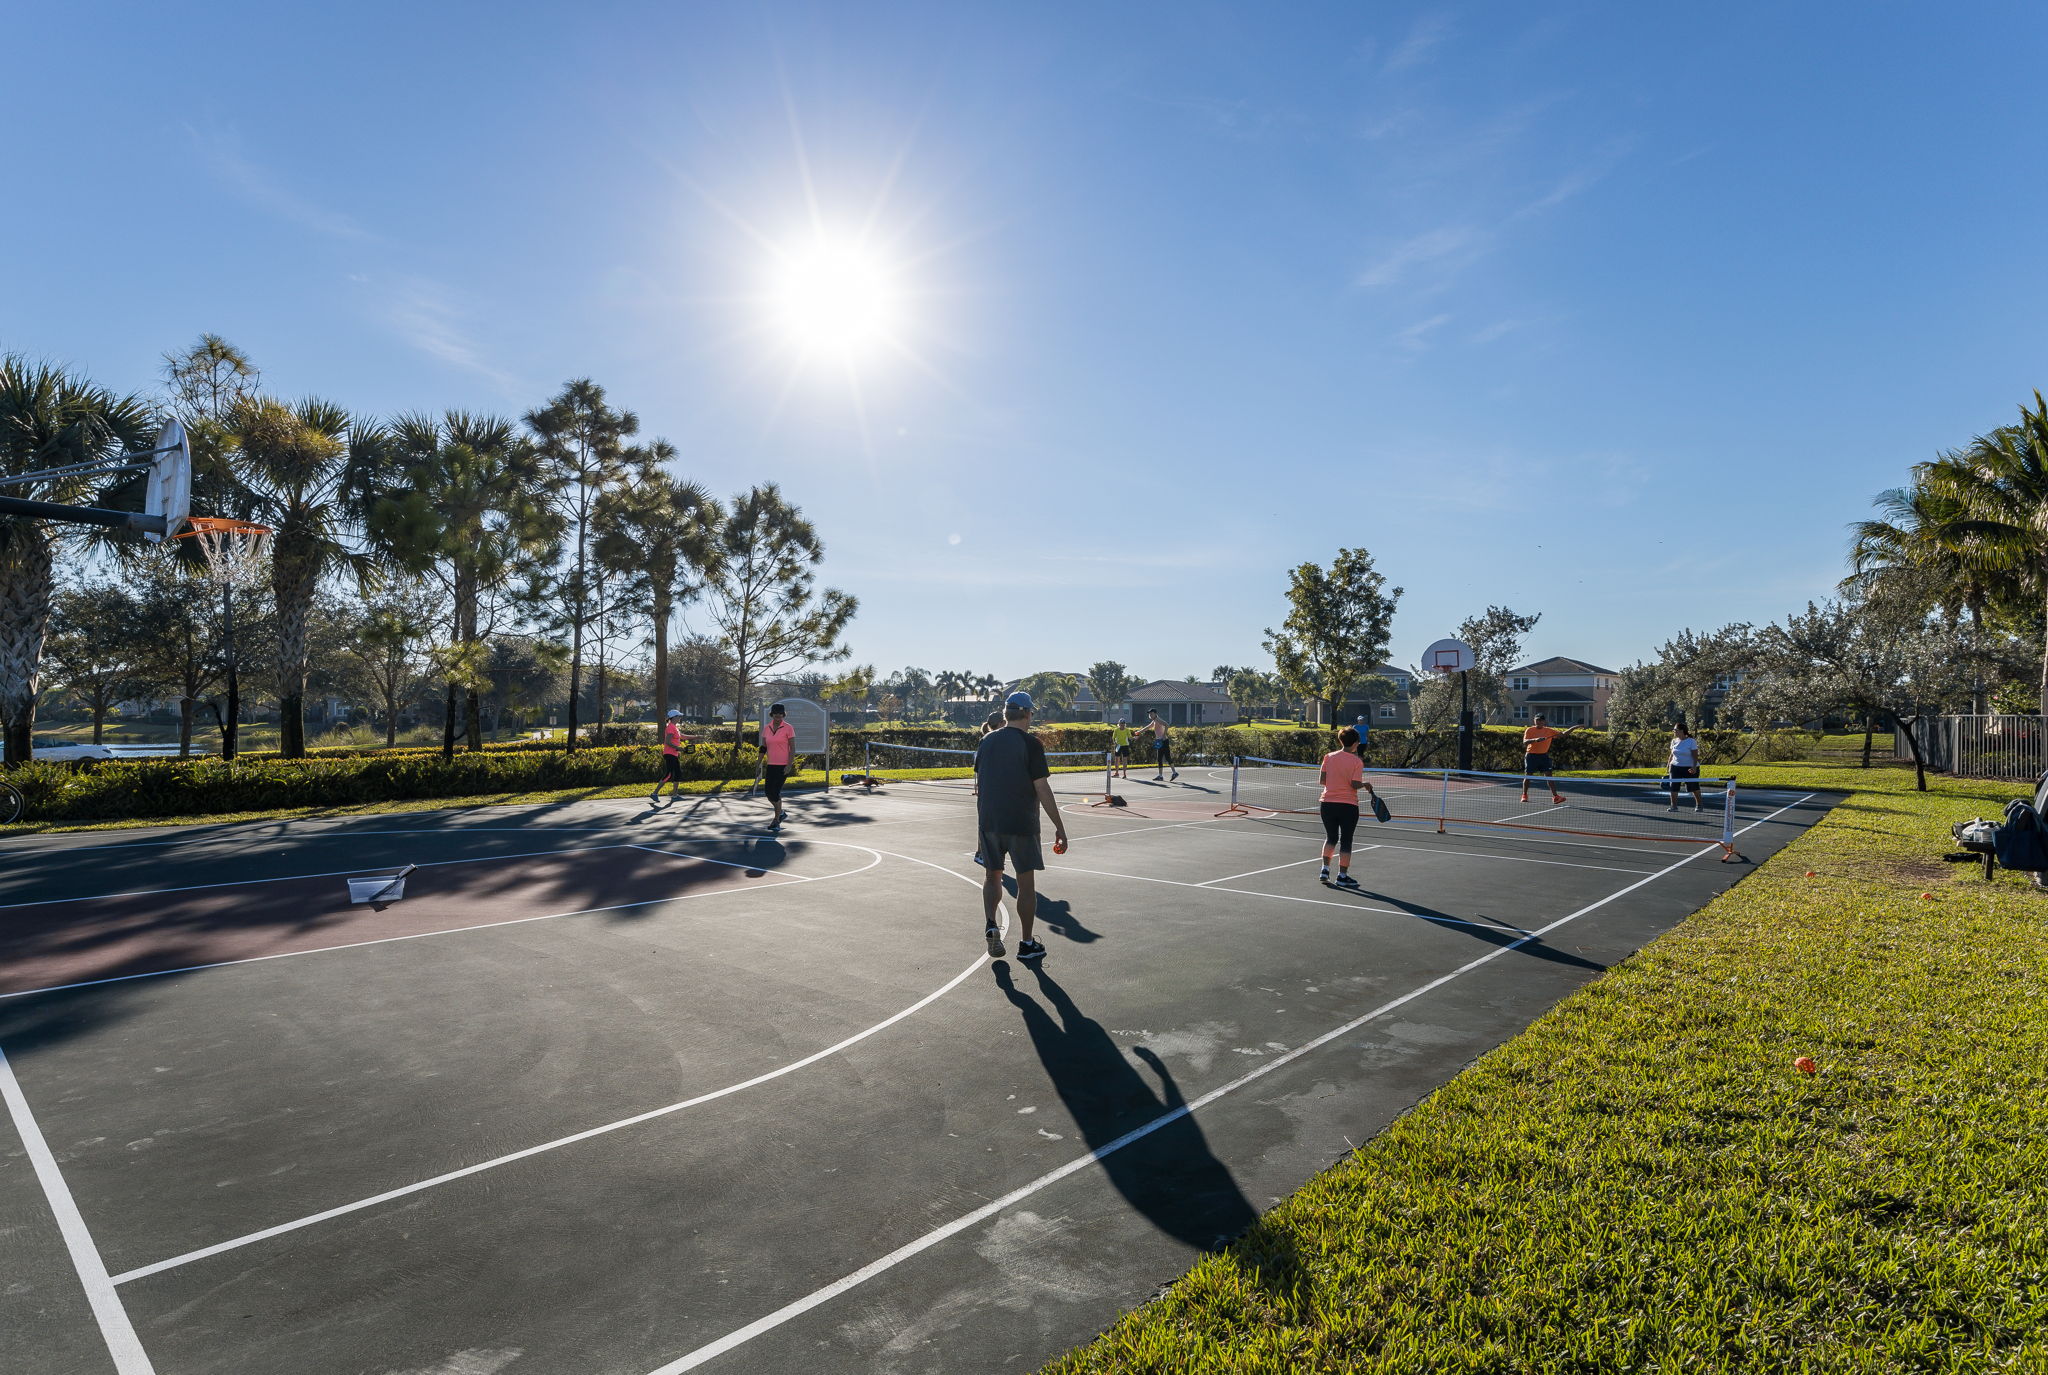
(232, 548)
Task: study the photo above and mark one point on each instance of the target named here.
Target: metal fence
(2013, 747)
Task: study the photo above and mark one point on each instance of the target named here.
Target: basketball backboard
(170, 482)
(1449, 656)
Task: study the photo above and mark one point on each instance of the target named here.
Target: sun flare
(835, 297)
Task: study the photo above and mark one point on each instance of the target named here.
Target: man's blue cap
(1019, 699)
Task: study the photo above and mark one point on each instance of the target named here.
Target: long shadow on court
(1476, 927)
(1170, 1175)
(1056, 914)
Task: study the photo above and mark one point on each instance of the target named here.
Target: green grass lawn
(1643, 1182)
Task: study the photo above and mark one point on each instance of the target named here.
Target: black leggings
(772, 775)
(1340, 823)
(1162, 755)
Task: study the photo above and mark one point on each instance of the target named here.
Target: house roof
(1559, 695)
(1391, 671)
(1166, 690)
(1560, 664)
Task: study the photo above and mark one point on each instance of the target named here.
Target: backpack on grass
(2021, 843)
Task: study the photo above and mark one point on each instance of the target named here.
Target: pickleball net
(1661, 810)
(1075, 773)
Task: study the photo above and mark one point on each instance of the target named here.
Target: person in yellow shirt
(1536, 759)
(1120, 738)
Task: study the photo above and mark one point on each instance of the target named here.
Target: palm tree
(1915, 547)
(1999, 485)
(296, 462)
(1050, 692)
(460, 505)
(658, 533)
(48, 419)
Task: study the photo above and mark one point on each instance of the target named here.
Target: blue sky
(1614, 312)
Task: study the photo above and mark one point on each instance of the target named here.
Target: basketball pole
(1465, 720)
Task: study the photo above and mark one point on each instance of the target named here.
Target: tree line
(486, 554)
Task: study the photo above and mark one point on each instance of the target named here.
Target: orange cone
(1928, 896)
(1804, 1064)
(1812, 874)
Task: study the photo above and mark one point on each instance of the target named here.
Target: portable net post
(1109, 797)
(1236, 807)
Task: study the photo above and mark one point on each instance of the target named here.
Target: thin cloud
(1498, 329)
(1415, 338)
(1454, 241)
(427, 317)
(257, 187)
(1424, 37)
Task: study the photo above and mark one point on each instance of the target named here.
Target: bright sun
(833, 297)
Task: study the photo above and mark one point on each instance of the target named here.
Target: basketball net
(233, 548)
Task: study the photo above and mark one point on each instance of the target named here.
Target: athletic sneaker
(995, 943)
(1323, 874)
(1030, 950)
(1175, 778)
(1345, 880)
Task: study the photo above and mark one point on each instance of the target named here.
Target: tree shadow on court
(1169, 1175)
(1490, 930)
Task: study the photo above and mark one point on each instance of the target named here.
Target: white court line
(456, 930)
(1290, 838)
(115, 1328)
(1292, 863)
(1286, 897)
(296, 1224)
(741, 1336)
(294, 878)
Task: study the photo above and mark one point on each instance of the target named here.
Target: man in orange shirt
(1536, 756)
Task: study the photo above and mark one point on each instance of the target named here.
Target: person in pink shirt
(778, 752)
(1343, 778)
(672, 739)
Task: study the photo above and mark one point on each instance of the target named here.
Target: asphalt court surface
(622, 1090)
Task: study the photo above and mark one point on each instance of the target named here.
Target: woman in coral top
(1343, 779)
(778, 752)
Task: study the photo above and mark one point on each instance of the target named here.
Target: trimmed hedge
(112, 790)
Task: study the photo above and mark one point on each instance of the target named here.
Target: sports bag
(2020, 842)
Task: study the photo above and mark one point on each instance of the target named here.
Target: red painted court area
(62, 944)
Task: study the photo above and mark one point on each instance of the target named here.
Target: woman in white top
(1685, 763)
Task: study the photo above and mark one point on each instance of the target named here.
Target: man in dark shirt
(1010, 776)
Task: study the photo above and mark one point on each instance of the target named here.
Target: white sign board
(1448, 656)
(813, 727)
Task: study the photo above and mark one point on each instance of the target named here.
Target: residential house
(1181, 704)
(1396, 713)
(1567, 692)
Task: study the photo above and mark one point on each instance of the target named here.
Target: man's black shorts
(1536, 763)
(1123, 751)
(1023, 850)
